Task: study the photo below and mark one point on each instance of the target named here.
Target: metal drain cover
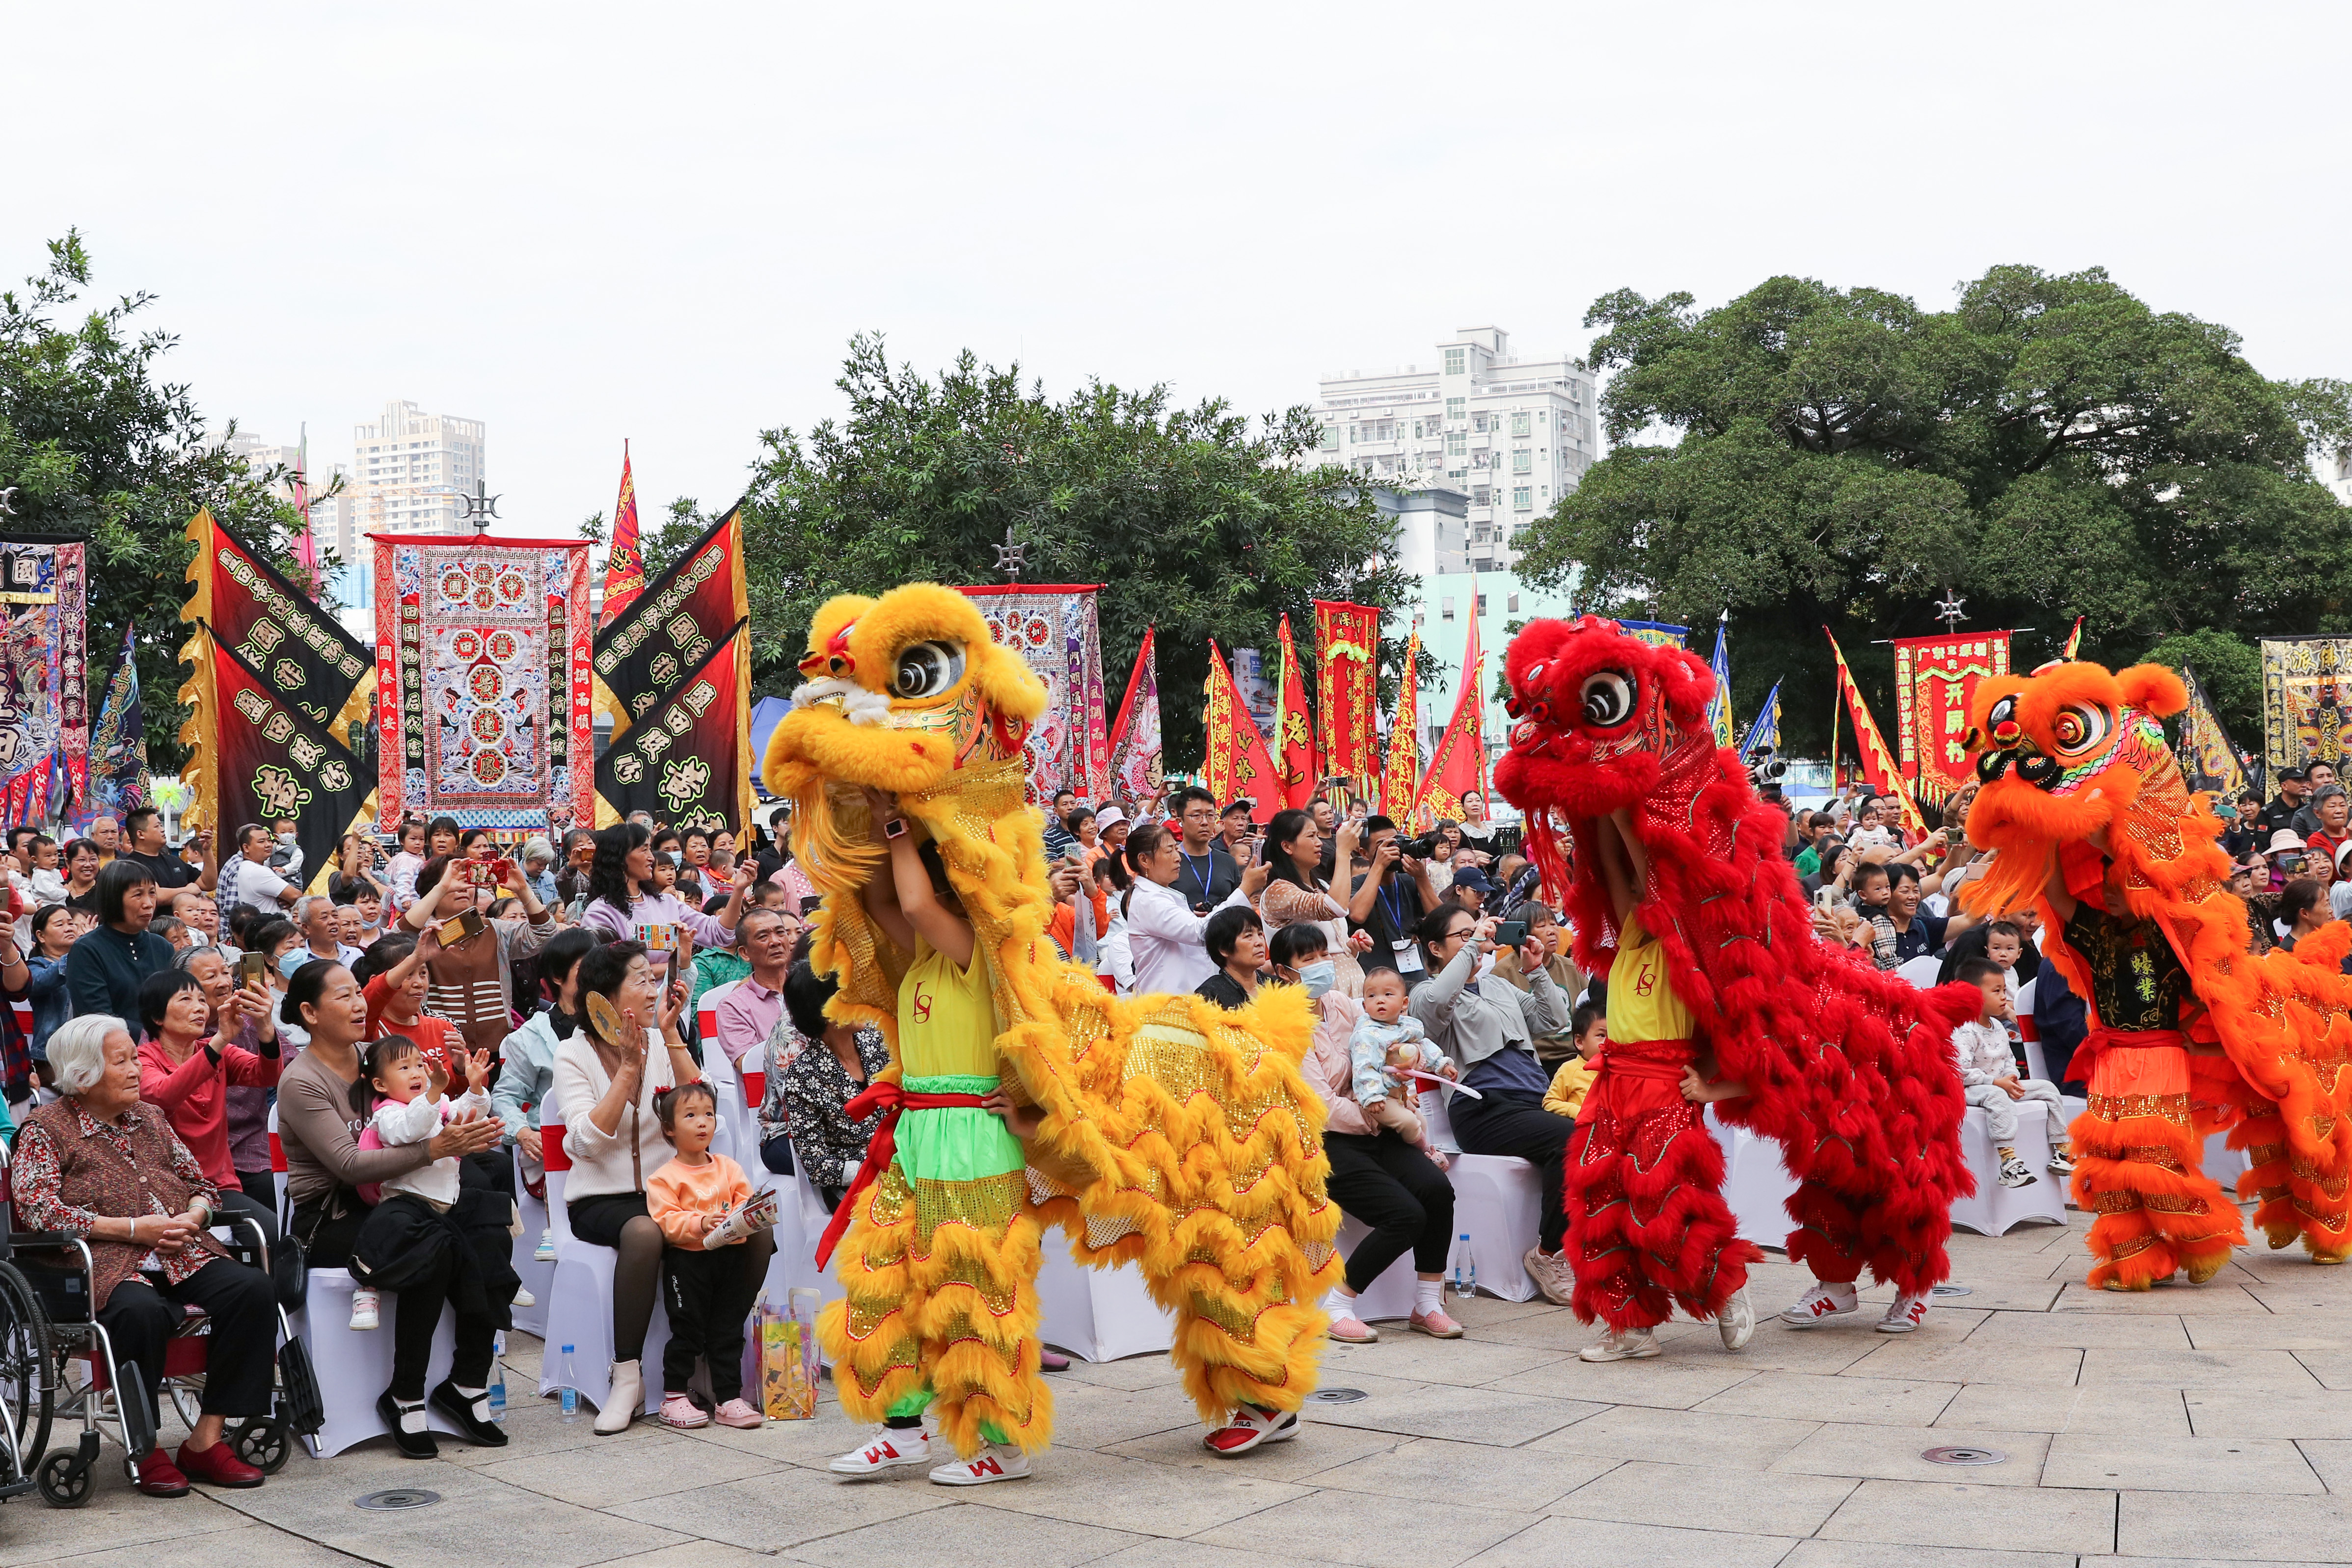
(1336, 1395)
(398, 1496)
(1951, 1290)
(1964, 1457)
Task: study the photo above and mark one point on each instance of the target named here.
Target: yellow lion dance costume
(2074, 754)
(1174, 1134)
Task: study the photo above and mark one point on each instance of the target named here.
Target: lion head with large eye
(1594, 715)
(2065, 750)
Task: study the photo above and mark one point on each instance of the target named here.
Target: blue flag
(1764, 734)
(1718, 706)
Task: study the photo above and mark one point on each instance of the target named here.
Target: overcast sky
(585, 222)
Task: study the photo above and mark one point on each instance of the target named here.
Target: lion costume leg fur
(2138, 1167)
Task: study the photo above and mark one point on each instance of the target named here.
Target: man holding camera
(1387, 902)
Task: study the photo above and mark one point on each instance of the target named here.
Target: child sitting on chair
(703, 1203)
(1589, 1027)
(1387, 1043)
(1989, 1074)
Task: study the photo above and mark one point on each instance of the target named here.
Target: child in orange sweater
(707, 1210)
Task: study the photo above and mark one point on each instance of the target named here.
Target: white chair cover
(538, 1278)
(1920, 971)
(1389, 1297)
(1995, 1209)
(1099, 1314)
(1497, 1202)
(580, 1305)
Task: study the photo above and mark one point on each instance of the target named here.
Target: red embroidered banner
(1238, 763)
(1294, 728)
(1401, 780)
(625, 566)
(1934, 677)
(1346, 686)
(1054, 628)
(1134, 739)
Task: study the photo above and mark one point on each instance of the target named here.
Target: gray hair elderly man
(314, 918)
(539, 869)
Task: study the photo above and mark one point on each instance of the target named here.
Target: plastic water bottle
(498, 1377)
(570, 1395)
(1465, 1268)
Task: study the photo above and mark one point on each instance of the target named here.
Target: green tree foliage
(1198, 520)
(2049, 447)
(97, 445)
(2229, 668)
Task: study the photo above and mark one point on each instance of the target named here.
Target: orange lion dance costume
(1175, 1135)
(1849, 1071)
(2083, 802)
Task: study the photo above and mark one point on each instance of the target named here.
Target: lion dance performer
(1680, 893)
(2089, 818)
(1161, 1130)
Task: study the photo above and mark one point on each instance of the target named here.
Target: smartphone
(810, 905)
(1511, 934)
(460, 927)
(252, 969)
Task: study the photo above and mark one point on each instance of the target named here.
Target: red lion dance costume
(2080, 795)
(1848, 1070)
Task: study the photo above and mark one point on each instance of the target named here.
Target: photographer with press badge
(1388, 900)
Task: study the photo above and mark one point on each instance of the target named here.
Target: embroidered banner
(1135, 761)
(1053, 627)
(1657, 632)
(2307, 700)
(688, 760)
(1401, 780)
(2209, 758)
(118, 780)
(1347, 687)
(253, 758)
(644, 653)
(625, 568)
(44, 702)
(483, 707)
(1238, 763)
(309, 659)
(1458, 765)
(1295, 729)
(1934, 677)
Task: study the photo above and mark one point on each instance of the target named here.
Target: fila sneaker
(904, 1450)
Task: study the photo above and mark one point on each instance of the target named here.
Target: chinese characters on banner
(687, 762)
(1238, 763)
(1347, 687)
(1294, 729)
(2307, 700)
(1934, 679)
(44, 708)
(1401, 778)
(1054, 629)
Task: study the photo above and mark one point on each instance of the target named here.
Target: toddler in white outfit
(1386, 1041)
(1990, 1075)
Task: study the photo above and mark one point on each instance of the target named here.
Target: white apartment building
(1511, 433)
(408, 468)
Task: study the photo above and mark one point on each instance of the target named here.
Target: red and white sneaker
(1821, 1304)
(900, 1450)
(997, 1462)
(1906, 1314)
(1250, 1428)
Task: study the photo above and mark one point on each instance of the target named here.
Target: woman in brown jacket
(99, 1166)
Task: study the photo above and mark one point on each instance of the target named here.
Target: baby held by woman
(1387, 1047)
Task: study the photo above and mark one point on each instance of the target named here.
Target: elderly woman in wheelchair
(102, 1174)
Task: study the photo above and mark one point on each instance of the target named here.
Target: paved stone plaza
(2187, 1426)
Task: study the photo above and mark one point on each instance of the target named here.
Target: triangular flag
(1294, 729)
(1764, 734)
(1877, 762)
(1238, 763)
(118, 780)
(2074, 641)
(1134, 739)
(1718, 706)
(305, 548)
(1401, 780)
(625, 566)
(1459, 764)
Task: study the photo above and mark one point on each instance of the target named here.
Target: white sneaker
(2062, 1162)
(1737, 1322)
(1820, 1304)
(997, 1462)
(2014, 1174)
(1622, 1345)
(363, 1310)
(545, 1251)
(1906, 1314)
(905, 1449)
(523, 1298)
(1552, 1275)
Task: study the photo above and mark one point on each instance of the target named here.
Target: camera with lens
(1766, 769)
(1421, 848)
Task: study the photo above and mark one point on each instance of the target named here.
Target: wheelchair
(57, 1360)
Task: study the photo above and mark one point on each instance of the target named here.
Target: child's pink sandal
(677, 1410)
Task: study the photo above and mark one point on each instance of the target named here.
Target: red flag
(625, 568)
(1877, 762)
(1460, 763)
(1346, 689)
(2074, 641)
(1401, 778)
(1934, 682)
(305, 548)
(1293, 729)
(1238, 763)
(1134, 739)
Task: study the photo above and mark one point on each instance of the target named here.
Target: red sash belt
(889, 1098)
(2103, 1039)
(1665, 1066)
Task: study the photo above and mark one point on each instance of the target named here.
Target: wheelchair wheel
(265, 1443)
(64, 1480)
(26, 1391)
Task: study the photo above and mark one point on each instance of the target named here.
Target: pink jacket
(1330, 1070)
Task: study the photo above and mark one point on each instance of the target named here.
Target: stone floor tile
(1138, 1496)
(250, 1546)
(1320, 1448)
(1085, 1417)
(697, 1554)
(1560, 1542)
(1680, 1437)
(1967, 1514)
(2304, 1288)
(2007, 1407)
(1134, 1372)
(625, 1468)
(2125, 1458)
(1673, 1381)
(2269, 1413)
(2331, 1459)
(1518, 1479)
(115, 1517)
(785, 1509)
(2081, 1331)
(1892, 1453)
(966, 1533)
(2301, 1330)
(2212, 1298)
(1462, 1414)
(1412, 1357)
(1166, 1553)
(1820, 1351)
(1417, 1532)
(1802, 1396)
(1872, 1554)
(2251, 1529)
(1917, 1357)
(2235, 1369)
(1747, 1503)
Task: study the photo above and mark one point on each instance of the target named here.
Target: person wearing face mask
(1377, 1176)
